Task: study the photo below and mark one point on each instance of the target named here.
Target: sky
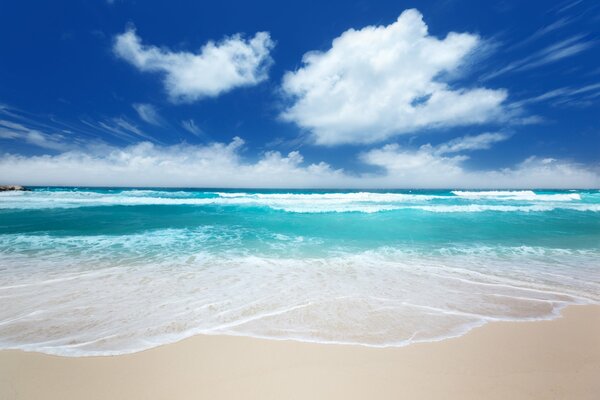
(301, 94)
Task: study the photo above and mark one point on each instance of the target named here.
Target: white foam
(471, 208)
(373, 298)
(517, 195)
(344, 197)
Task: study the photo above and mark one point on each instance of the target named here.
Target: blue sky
(300, 94)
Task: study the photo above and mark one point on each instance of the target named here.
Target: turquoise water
(88, 271)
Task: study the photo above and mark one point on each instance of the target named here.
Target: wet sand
(557, 359)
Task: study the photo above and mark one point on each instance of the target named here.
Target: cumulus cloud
(433, 167)
(382, 81)
(223, 165)
(217, 68)
(147, 164)
(148, 113)
(415, 167)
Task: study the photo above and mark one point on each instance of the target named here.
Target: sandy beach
(558, 359)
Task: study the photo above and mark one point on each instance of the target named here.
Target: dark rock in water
(6, 188)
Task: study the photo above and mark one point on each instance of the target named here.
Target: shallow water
(108, 271)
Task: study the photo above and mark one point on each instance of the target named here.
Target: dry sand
(557, 359)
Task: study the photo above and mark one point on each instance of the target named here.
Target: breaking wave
(363, 202)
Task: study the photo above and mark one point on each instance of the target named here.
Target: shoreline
(556, 358)
(555, 313)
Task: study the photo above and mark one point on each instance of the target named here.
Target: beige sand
(557, 359)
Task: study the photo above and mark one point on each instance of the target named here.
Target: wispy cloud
(15, 131)
(84, 130)
(550, 54)
(190, 126)
(554, 26)
(567, 6)
(120, 128)
(565, 95)
(148, 113)
(470, 143)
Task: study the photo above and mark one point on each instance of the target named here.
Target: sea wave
(520, 195)
(266, 264)
(342, 202)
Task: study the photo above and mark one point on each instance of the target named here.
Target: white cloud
(148, 113)
(382, 81)
(223, 165)
(215, 69)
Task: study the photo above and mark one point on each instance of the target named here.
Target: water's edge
(556, 314)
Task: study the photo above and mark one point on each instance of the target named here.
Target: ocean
(101, 271)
